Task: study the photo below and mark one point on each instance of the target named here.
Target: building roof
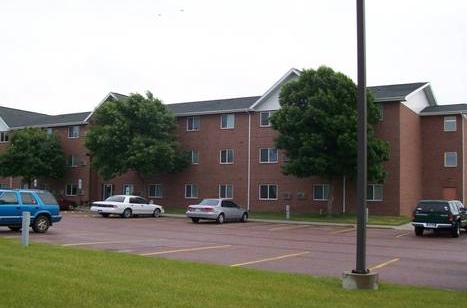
(16, 118)
(396, 92)
(444, 109)
(240, 104)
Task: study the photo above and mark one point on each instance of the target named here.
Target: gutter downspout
(249, 163)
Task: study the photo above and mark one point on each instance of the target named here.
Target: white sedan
(126, 206)
(219, 210)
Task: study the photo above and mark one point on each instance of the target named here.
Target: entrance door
(107, 191)
(450, 193)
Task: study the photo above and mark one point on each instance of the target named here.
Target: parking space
(397, 255)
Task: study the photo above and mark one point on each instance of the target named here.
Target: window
(374, 192)
(194, 156)
(155, 191)
(267, 192)
(227, 156)
(73, 131)
(268, 155)
(264, 119)
(226, 191)
(450, 124)
(28, 198)
(192, 123)
(128, 189)
(321, 192)
(71, 161)
(50, 131)
(381, 112)
(450, 159)
(191, 191)
(3, 137)
(227, 121)
(8, 198)
(71, 189)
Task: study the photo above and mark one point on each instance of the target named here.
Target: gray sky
(64, 56)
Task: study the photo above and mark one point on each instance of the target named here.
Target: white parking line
(271, 259)
(183, 250)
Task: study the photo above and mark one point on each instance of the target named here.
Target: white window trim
(450, 120)
(382, 192)
(194, 119)
(74, 134)
(227, 115)
(268, 161)
(261, 119)
(445, 159)
(155, 191)
(226, 156)
(323, 186)
(226, 186)
(268, 185)
(192, 186)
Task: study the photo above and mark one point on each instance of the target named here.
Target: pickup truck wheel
(418, 231)
(456, 231)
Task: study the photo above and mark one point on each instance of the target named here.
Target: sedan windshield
(209, 202)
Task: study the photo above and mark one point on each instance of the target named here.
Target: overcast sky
(65, 56)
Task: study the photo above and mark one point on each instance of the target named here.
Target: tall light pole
(360, 277)
(362, 141)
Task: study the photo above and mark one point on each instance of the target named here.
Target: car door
(230, 210)
(10, 209)
(140, 206)
(29, 203)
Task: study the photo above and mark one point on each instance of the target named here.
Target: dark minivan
(439, 215)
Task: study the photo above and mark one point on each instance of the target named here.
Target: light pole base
(354, 281)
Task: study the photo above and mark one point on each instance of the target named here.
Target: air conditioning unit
(301, 196)
(286, 196)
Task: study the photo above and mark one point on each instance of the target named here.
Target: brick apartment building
(233, 155)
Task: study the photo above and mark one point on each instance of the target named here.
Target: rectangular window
(226, 156)
(374, 192)
(268, 156)
(194, 157)
(128, 189)
(71, 189)
(450, 124)
(73, 131)
(321, 192)
(50, 130)
(450, 159)
(264, 119)
(267, 192)
(71, 161)
(192, 123)
(226, 191)
(3, 137)
(227, 121)
(155, 191)
(191, 191)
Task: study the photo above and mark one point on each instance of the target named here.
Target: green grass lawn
(340, 218)
(41, 275)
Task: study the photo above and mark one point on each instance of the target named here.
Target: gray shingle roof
(16, 118)
(395, 92)
(444, 109)
(213, 106)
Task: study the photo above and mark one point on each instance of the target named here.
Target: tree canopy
(137, 133)
(317, 123)
(32, 153)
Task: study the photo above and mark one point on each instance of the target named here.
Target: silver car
(126, 206)
(219, 210)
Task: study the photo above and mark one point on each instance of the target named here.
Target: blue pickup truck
(42, 206)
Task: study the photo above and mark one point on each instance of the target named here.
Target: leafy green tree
(317, 123)
(137, 133)
(31, 154)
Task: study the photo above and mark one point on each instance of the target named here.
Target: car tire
(105, 215)
(157, 213)
(456, 231)
(41, 224)
(195, 219)
(220, 219)
(418, 231)
(127, 213)
(14, 228)
(244, 217)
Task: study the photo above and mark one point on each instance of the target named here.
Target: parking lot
(396, 254)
